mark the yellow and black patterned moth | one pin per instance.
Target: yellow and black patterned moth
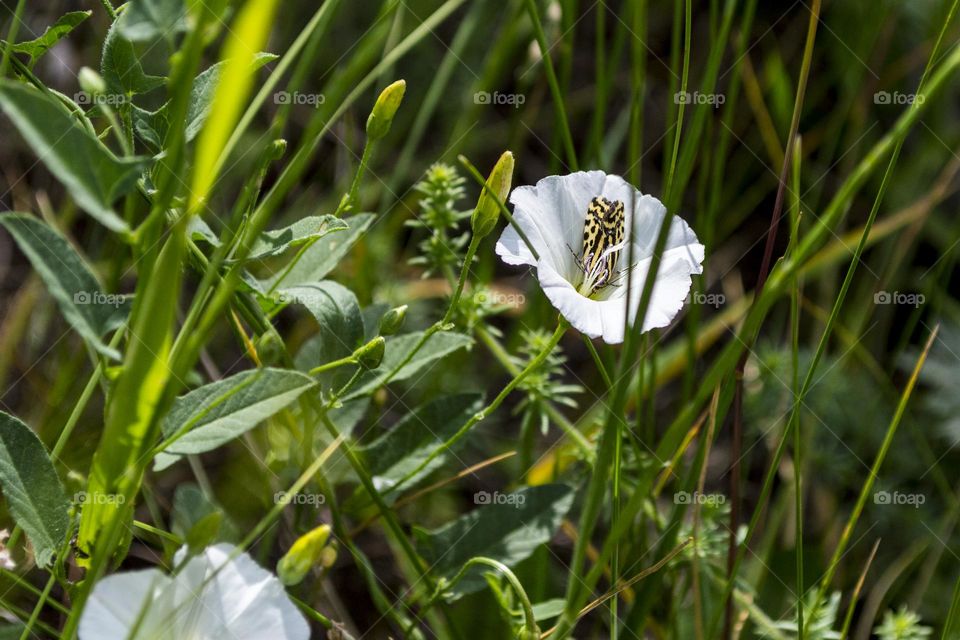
(602, 241)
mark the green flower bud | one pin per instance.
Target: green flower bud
(370, 355)
(529, 634)
(487, 213)
(269, 349)
(378, 124)
(91, 81)
(328, 557)
(392, 320)
(277, 148)
(303, 555)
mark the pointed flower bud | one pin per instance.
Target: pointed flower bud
(487, 213)
(303, 555)
(378, 124)
(392, 320)
(91, 81)
(370, 355)
(277, 148)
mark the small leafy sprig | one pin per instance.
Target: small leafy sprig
(902, 625)
(543, 384)
(443, 249)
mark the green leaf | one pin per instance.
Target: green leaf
(32, 489)
(120, 66)
(64, 25)
(320, 259)
(94, 177)
(508, 528)
(216, 413)
(548, 609)
(191, 508)
(145, 20)
(337, 312)
(310, 228)
(398, 348)
(152, 126)
(67, 278)
(392, 456)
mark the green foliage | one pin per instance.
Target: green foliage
(122, 68)
(67, 278)
(394, 459)
(819, 623)
(95, 177)
(324, 385)
(507, 527)
(152, 126)
(902, 625)
(145, 20)
(543, 385)
(51, 35)
(216, 413)
(32, 489)
(320, 257)
(440, 190)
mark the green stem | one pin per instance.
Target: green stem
(332, 365)
(554, 85)
(11, 37)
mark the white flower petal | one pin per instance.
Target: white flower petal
(240, 601)
(243, 601)
(114, 608)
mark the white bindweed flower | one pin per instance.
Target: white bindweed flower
(580, 226)
(241, 601)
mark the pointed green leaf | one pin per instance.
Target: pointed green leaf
(337, 312)
(32, 489)
(507, 527)
(144, 20)
(92, 174)
(320, 259)
(53, 34)
(152, 126)
(120, 66)
(216, 413)
(311, 228)
(67, 278)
